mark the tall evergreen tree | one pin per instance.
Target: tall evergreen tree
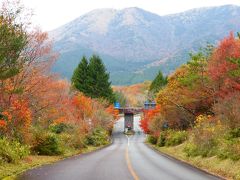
(80, 76)
(159, 82)
(92, 79)
(98, 80)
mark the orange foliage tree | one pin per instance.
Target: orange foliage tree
(148, 115)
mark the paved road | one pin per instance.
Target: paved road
(127, 158)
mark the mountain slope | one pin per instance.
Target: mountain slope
(135, 44)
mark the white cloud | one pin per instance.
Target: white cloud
(50, 14)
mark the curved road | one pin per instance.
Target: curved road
(126, 159)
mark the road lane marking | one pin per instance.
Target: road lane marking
(129, 165)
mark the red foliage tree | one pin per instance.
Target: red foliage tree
(148, 115)
(224, 66)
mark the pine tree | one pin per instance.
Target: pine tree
(80, 76)
(92, 79)
(159, 82)
(98, 80)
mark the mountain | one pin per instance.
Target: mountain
(134, 44)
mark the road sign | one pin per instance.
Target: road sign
(149, 105)
(116, 105)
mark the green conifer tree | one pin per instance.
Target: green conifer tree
(80, 76)
(159, 82)
(92, 79)
(98, 80)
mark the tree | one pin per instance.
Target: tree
(98, 80)
(147, 117)
(13, 39)
(159, 82)
(224, 66)
(196, 71)
(80, 76)
(92, 79)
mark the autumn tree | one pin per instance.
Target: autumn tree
(224, 71)
(224, 66)
(147, 117)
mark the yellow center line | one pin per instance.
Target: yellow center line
(129, 165)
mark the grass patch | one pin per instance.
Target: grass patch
(10, 171)
(226, 168)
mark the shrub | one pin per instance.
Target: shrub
(230, 146)
(175, 138)
(152, 139)
(161, 140)
(47, 144)
(59, 128)
(191, 150)
(227, 110)
(206, 135)
(234, 133)
(12, 151)
(75, 139)
(98, 137)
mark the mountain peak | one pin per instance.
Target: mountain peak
(132, 41)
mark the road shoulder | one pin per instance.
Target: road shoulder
(190, 162)
(11, 171)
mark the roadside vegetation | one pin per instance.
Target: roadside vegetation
(42, 115)
(197, 117)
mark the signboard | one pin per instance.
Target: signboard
(116, 105)
(149, 105)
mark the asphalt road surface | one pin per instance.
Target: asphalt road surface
(127, 158)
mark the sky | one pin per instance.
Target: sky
(50, 14)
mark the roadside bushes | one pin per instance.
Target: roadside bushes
(205, 137)
(175, 138)
(98, 137)
(168, 138)
(73, 140)
(47, 144)
(229, 149)
(221, 147)
(171, 138)
(12, 151)
(152, 139)
(229, 146)
(234, 133)
(210, 138)
(59, 128)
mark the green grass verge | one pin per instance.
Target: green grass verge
(9, 171)
(226, 168)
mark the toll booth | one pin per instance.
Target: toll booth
(128, 121)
